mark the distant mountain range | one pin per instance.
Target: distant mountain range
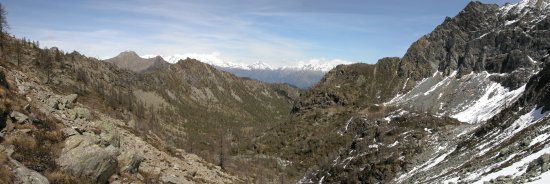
(302, 75)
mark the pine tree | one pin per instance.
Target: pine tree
(18, 51)
(3, 26)
(3, 22)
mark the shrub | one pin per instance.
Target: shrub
(22, 142)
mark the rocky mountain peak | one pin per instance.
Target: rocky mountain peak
(132, 61)
(538, 4)
(128, 54)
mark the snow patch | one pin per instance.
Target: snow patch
(438, 159)
(495, 99)
(393, 144)
(544, 178)
(516, 169)
(539, 139)
(346, 127)
(451, 180)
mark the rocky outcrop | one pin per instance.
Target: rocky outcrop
(84, 157)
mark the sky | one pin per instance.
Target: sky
(278, 32)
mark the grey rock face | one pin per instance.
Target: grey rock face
(83, 157)
(480, 38)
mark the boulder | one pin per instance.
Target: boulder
(84, 157)
(53, 103)
(24, 175)
(109, 134)
(67, 132)
(79, 113)
(133, 166)
(68, 102)
(19, 117)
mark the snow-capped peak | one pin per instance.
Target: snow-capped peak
(260, 66)
(520, 6)
(214, 59)
(322, 64)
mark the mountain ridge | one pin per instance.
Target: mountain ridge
(484, 54)
(303, 75)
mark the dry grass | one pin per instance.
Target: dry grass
(22, 142)
(6, 176)
(52, 136)
(150, 177)
(59, 177)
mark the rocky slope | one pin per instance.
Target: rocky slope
(391, 122)
(94, 146)
(188, 105)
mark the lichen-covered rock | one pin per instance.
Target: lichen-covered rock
(83, 157)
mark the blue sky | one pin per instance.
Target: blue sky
(279, 32)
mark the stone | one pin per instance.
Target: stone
(27, 107)
(19, 117)
(168, 178)
(71, 98)
(110, 138)
(67, 132)
(133, 167)
(109, 134)
(53, 103)
(68, 102)
(83, 157)
(79, 113)
(24, 175)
